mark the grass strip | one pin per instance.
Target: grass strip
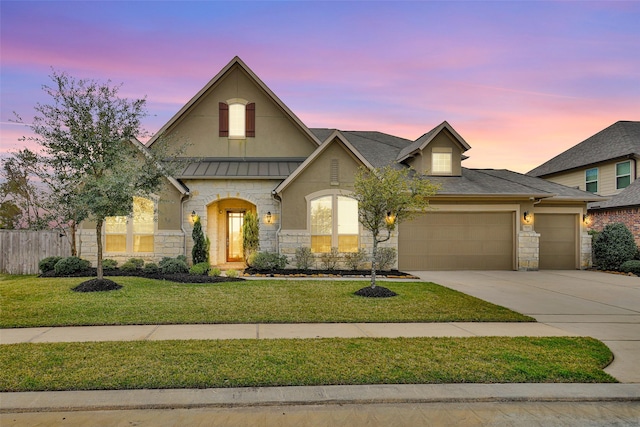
(248, 363)
(29, 301)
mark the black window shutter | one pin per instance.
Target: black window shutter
(223, 113)
(250, 120)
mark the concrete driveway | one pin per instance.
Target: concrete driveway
(600, 305)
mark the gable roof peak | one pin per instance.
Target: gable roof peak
(420, 143)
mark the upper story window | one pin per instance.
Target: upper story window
(334, 223)
(132, 234)
(441, 161)
(591, 180)
(237, 119)
(623, 175)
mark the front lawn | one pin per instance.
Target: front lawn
(259, 363)
(29, 301)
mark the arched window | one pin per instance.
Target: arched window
(334, 223)
(131, 234)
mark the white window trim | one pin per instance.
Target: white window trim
(334, 203)
(230, 103)
(130, 234)
(441, 150)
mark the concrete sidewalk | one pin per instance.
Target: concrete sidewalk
(267, 331)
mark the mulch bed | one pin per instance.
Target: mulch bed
(292, 272)
(377, 292)
(180, 278)
(96, 285)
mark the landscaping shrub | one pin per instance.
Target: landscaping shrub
(182, 258)
(354, 260)
(138, 262)
(173, 266)
(109, 264)
(200, 269)
(48, 263)
(268, 261)
(385, 258)
(631, 266)
(199, 252)
(613, 246)
(250, 236)
(128, 266)
(330, 259)
(215, 272)
(70, 265)
(151, 268)
(303, 258)
(232, 273)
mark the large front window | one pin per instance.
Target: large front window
(334, 223)
(134, 234)
(623, 175)
(591, 180)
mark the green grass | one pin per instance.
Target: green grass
(248, 363)
(29, 301)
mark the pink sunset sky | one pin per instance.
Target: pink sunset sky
(520, 81)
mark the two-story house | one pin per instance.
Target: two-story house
(247, 151)
(605, 164)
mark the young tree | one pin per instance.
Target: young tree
(250, 235)
(199, 252)
(87, 138)
(387, 196)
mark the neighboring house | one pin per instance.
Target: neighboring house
(605, 164)
(248, 152)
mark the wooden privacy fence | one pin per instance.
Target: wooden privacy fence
(22, 249)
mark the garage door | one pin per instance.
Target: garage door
(457, 241)
(558, 244)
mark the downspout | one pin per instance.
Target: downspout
(279, 200)
(184, 198)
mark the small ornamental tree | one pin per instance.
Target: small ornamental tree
(613, 247)
(387, 196)
(250, 235)
(199, 253)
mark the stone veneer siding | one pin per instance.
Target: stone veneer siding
(166, 244)
(290, 240)
(629, 217)
(528, 249)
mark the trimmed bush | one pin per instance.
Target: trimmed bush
(70, 265)
(268, 261)
(215, 272)
(48, 263)
(232, 273)
(385, 258)
(129, 266)
(631, 266)
(151, 268)
(354, 260)
(200, 269)
(330, 259)
(109, 264)
(173, 266)
(182, 258)
(303, 258)
(613, 246)
(250, 236)
(199, 253)
(138, 262)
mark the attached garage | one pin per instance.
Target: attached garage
(458, 241)
(558, 241)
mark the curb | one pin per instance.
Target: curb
(313, 395)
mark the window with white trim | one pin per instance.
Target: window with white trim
(334, 223)
(623, 175)
(132, 234)
(236, 120)
(591, 180)
(440, 163)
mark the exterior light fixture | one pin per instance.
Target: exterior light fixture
(526, 217)
(586, 219)
(269, 218)
(390, 219)
(193, 216)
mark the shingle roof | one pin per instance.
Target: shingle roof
(619, 140)
(240, 168)
(502, 182)
(425, 139)
(630, 196)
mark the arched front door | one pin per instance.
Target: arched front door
(224, 229)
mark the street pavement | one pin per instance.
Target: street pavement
(565, 303)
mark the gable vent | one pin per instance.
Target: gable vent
(335, 172)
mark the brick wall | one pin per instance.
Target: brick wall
(629, 217)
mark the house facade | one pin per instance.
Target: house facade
(248, 152)
(605, 164)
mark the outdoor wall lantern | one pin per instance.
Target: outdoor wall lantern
(269, 218)
(193, 216)
(390, 219)
(527, 217)
(586, 219)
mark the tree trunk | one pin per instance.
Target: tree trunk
(99, 241)
(373, 262)
(72, 238)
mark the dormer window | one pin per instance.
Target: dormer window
(441, 161)
(237, 119)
